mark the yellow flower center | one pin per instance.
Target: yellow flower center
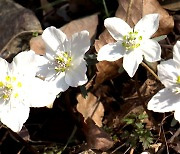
(131, 40)
(63, 62)
(7, 88)
(178, 80)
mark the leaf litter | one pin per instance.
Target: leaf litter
(111, 92)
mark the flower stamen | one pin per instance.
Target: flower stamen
(63, 62)
(8, 86)
(131, 40)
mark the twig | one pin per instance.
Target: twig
(150, 70)
(119, 147)
(176, 134)
(129, 10)
(15, 36)
(20, 139)
(167, 149)
(127, 150)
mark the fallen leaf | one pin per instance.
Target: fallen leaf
(91, 107)
(96, 137)
(37, 45)
(170, 5)
(82, 24)
(166, 22)
(105, 70)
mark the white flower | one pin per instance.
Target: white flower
(168, 99)
(20, 90)
(132, 43)
(63, 64)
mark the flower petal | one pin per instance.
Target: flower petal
(76, 76)
(164, 101)
(41, 93)
(151, 50)
(59, 84)
(14, 117)
(25, 63)
(168, 73)
(117, 27)
(131, 61)
(45, 67)
(54, 39)
(80, 44)
(177, 114)
(111, 52)
(148, 25)
(176, 52)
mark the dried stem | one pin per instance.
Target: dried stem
(21, 140)
(150, 70)
(176, 134)
(129, 11)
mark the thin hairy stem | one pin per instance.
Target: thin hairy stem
(150, 70)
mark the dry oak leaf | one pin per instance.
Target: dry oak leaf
(96, 137)
(130, 11)
(91, 107)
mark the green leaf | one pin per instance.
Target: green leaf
(139, 125)
(129, 121)
(142, 116)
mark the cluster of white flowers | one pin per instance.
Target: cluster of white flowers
(32, 80)
(21, 84)
(134, 43)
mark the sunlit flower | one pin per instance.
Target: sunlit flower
(63, 64)
(168, 99)
(132, 43)
(20, 90)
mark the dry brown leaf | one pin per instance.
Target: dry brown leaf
(170, 5)
(37, 45)
(82, 24)
(105, 70)
(91, 107)
(137, 9)
(166, 21)
(96, 137)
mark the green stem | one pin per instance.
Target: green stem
(105, 8)
(70, 138)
